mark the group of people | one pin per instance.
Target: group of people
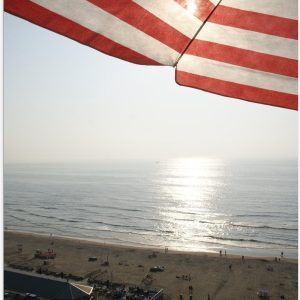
(185, 277)
(278, 259)
(190, 293)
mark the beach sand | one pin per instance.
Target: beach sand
(210, 273)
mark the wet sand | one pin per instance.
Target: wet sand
(209, 273)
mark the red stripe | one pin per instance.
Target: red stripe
(203, 7)
(138, 17)
(244, 58)
(239, 91)
(254, 21)
(50, 20)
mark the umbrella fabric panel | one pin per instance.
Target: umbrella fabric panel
(143, 32)
(240, 49)
(244, 52)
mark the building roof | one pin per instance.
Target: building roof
(49, 288)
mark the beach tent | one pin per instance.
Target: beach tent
(235, 48)
(44, 287)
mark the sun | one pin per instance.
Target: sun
(191, 7)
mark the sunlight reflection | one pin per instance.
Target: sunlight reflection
(191, 7)
(190, 187)
(191, 180)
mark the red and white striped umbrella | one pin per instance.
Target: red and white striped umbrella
(235, 48)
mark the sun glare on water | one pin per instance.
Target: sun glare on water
(190, 188)
(191, 180)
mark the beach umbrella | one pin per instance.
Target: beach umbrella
(236, 48)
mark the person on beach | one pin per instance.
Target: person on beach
(230, 267)
(220, 252)
(225, 253)
(51, 239)
(20, 248)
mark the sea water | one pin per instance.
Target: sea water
(244, 207)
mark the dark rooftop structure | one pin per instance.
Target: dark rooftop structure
(45, 287)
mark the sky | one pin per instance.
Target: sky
(67, 102)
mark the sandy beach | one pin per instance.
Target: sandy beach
(206, 273)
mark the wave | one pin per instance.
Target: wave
(85, 220)
(188, 220)
(114, 225)
(247, 240)
(250, 226)
(264, 215)
(55, 218)
(134, 227)
(181, 212)
(166, 231)
(29, 221)
(119, 208)
(263, 226)
(256, 215)
(19, 210)
(129, 231)
(149, 219)
(49, 208)
(33, 225)
(19, 219)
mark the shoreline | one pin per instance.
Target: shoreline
(118, 246)
(209, 272)
(270, 253)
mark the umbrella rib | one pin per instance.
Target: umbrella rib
(193, 38)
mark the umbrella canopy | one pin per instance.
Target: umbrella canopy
(240, 49)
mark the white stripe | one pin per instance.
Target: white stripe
(231, 73)
(249, 40)
(173, 14)
(279, 8)
(97, 20)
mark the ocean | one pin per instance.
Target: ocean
(244, 207)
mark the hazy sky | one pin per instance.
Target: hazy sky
(64, 102)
